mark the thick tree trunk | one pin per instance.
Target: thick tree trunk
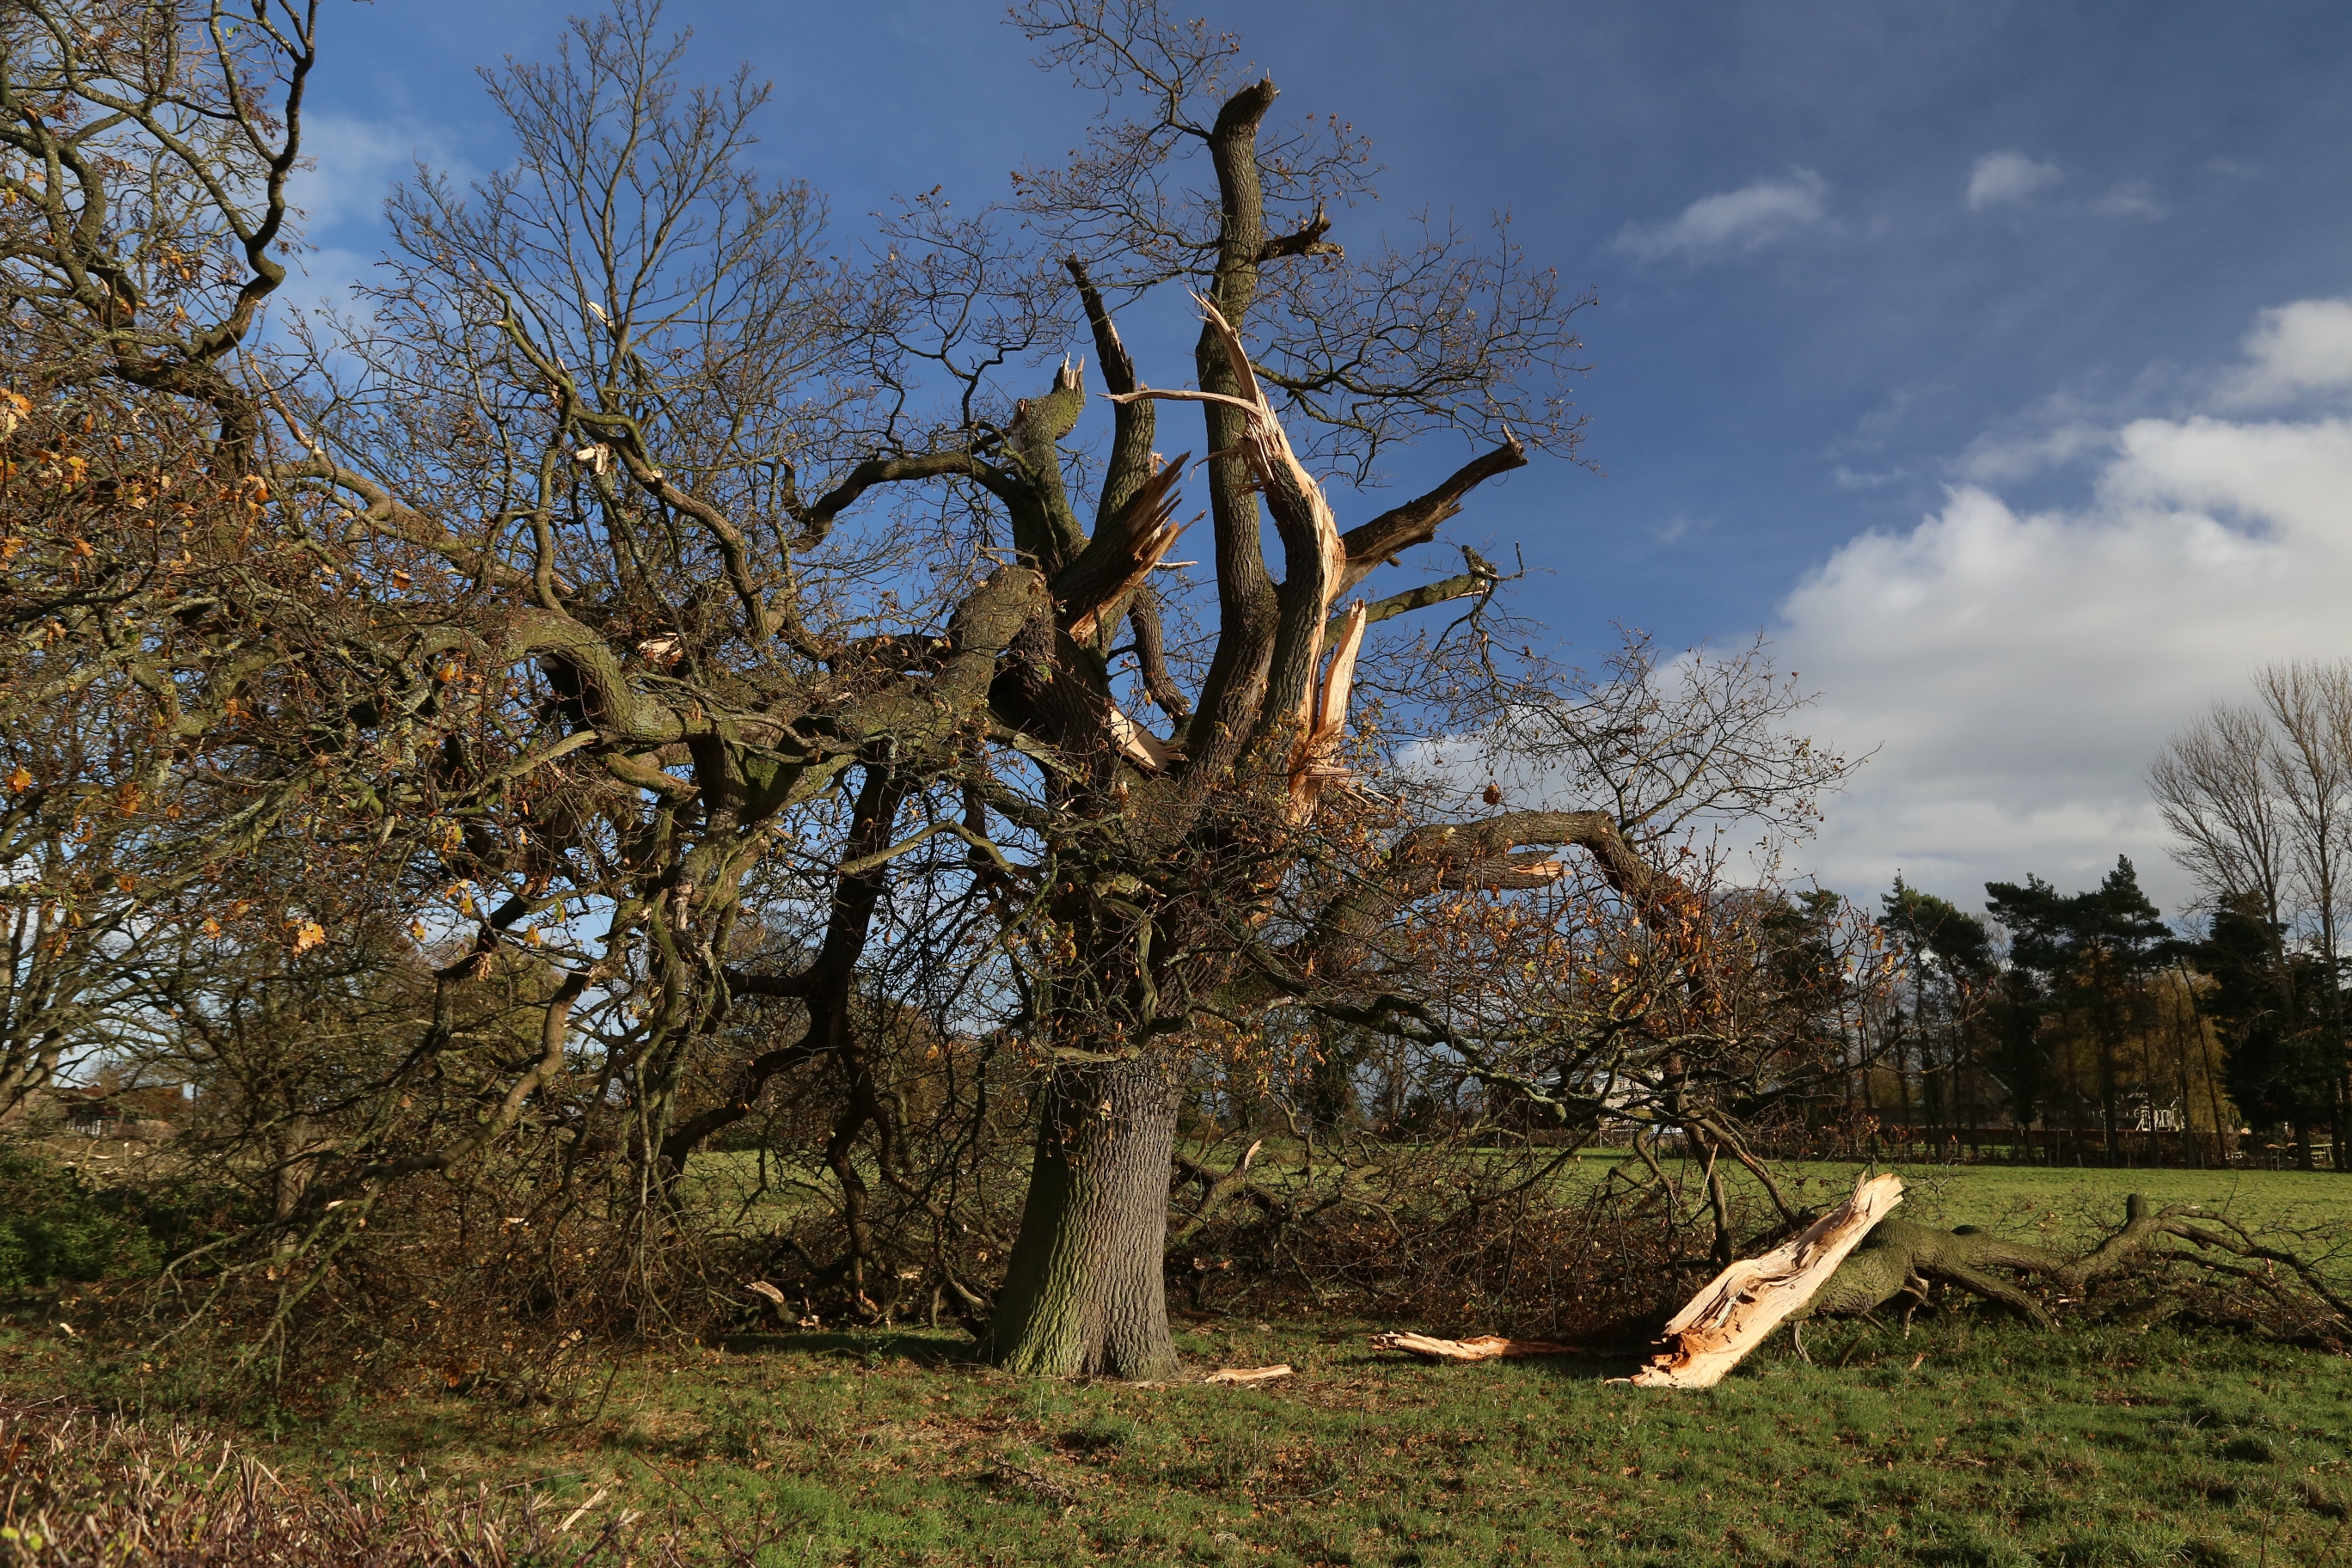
(1084, 1295)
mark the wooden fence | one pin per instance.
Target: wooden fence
(2081, 1147)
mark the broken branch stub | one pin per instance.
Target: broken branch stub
(1741, 1306)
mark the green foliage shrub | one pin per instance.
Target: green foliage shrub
(55, 1225)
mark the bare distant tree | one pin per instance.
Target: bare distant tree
(2213, 785)
(2260, 797)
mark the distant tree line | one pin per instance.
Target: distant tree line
(2259, 797)
(2088, 1011)
(2077, 1012)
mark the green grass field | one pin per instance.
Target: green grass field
(1971, 1441)
(2021, 1199)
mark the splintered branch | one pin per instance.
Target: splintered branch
(1300, 509)
(1740, 1307)
(1138, 745)
(1121, 558)
(1482, 1347)
(1313, 761)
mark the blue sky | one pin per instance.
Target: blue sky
(1987, 356)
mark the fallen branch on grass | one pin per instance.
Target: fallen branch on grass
(1742, 1305)
(1220, 1187)
(1005, 1473)
(1901, 1261)
(1484, 1347)
(1248, 1376)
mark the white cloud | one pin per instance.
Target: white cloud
(1745, 220)
(355, 163)
(2133, 198)
(2016, 673)
(2296, 348)
(1856, 480)
(1993, 458)
(2006, 179)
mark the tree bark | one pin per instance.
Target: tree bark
(1086, 1295)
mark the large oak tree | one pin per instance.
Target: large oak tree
(640, 574)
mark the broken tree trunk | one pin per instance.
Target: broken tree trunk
(1742, 1305)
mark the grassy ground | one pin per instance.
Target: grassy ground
(1972, 1441)
(1965, 1443)
(2022, 1199)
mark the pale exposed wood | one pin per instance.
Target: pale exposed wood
(1145, 530)
(1248, 1376)
(1323, 707)
(1313, 765)
(573, 1517)
(1741, 1306)
(1140, 746)
(1484, 1347)
(1270, 449)
(1340, 680)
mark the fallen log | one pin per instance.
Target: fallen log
(1900, 1262)
(1248, 1376)
(1740, 1307)
(1484, 1347)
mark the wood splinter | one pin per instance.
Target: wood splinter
(1483, 1347)
(1248, 1376)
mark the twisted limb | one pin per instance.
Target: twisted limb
(1902, 1258)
